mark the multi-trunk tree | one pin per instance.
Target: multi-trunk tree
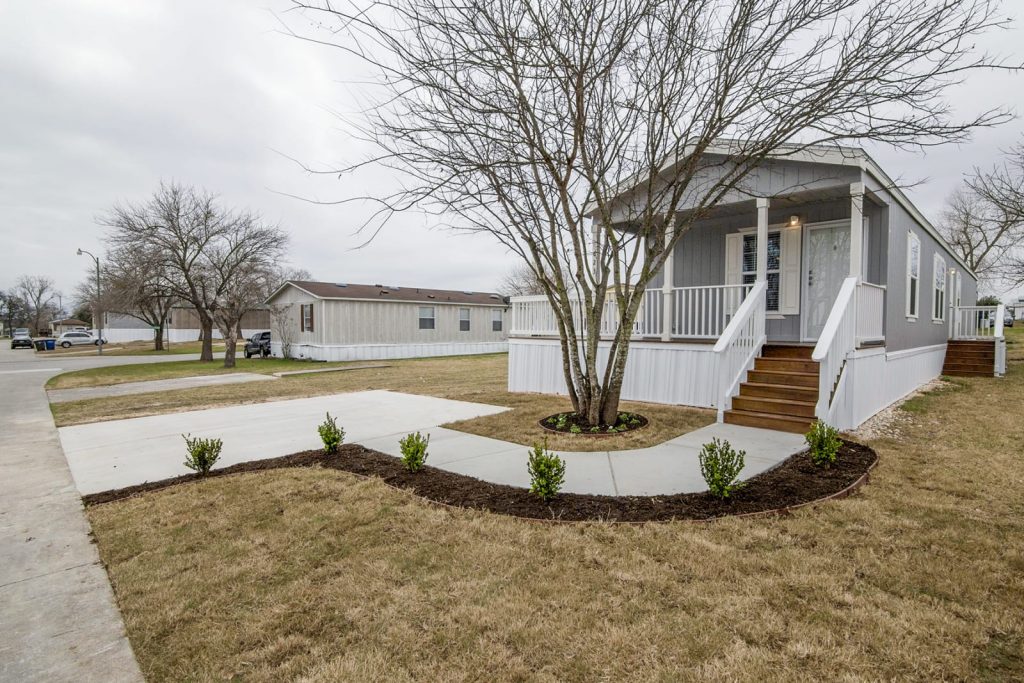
(576, 132)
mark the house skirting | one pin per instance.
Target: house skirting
(345, 352)
(875, 379)
(677, 374)
(685, 374)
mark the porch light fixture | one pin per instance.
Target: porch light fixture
(794, 221)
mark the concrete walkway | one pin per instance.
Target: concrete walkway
(57, 612)
(129, 388)
(116, 454)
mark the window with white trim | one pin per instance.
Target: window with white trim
(913, 275)
(939, 289)
(749, 266)
(306, 311)
(463, 320)
(426, 317)
(496, 314)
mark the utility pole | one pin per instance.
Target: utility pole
(97, 313)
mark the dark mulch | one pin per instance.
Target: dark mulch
(625, 422)
(795, 482)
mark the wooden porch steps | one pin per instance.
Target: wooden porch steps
(781, 391)
(969, 358)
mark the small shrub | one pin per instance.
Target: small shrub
(414, 451)
(575, 429)
(331, 434)
(202, 453)
(721, 464)
(824, 443)
(563, 421)
(547, 472)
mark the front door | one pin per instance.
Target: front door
(827, 264)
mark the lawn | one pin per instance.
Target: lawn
(481, 379)
(314, 574)
(137, 348)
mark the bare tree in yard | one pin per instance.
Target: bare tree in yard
(38, 292)
(14, 311)
(984, 222)
(137, 286)
(205, 251)
(520, 281)
(577, 132)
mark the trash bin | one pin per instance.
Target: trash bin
(51, 344)
(40, 344)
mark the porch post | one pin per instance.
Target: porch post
(667, 284)
(856, 229)
(762, 238)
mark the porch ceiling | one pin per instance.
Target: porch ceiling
(782, 201)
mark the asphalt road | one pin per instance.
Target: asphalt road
(57, 612)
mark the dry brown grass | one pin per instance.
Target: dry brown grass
(468, 378)
(319, 576)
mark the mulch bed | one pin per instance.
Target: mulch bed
(793, 483)
(632, 422)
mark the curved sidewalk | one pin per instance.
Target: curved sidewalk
(121, 453)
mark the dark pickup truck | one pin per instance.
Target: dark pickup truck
(258, 345)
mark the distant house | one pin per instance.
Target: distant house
(59, 327)
(183, 326)
(341, 321)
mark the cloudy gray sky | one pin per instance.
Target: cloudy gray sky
(104, 98)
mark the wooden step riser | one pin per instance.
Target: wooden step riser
(786, 365)
(971, 356)
(782, 379)
(797, 352)
(788, 408)
(963, 373)
(779, 425)
(782, 391)
(982, 369)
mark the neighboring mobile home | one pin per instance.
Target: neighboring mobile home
(343, 321)
(182, 326)
(815, 290)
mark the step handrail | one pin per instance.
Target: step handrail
(739, 345)
(838, 339)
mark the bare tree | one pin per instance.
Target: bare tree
(14, 311)
(985, 221)
(206, 252)
(578, 132)
(136, 286)
(521, 281)
(38, 292)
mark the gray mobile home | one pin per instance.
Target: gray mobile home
(345, 321)
(816, 290)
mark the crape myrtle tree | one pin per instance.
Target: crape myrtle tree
(576, 132)
(206, 253)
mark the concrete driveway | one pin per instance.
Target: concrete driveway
(120, 453)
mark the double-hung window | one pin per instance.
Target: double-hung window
(939, 289)
(749, 267)
(426, 317)
(464, 320)
(306, 317)
(913, 275)
(495, 320)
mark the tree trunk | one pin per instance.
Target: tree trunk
(229, 348)
(158, 338)
(207, 335)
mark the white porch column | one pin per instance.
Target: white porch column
(762, 238)
(856, 229)
(668, 283)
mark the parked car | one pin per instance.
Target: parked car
(21, 338)
(258, 345)
(1008, 320)
(69, 339)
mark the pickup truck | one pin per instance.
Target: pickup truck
(258, 345)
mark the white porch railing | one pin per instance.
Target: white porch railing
(837, 340)
(870, 312)
(704, 312)
(739, 345)
(695, 312)
(978, 322)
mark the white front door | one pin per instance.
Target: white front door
(827, 259)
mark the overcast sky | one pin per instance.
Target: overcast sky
(104, 98)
